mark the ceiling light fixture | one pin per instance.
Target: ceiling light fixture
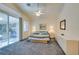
(39, 12)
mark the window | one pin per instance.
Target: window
(25, 26)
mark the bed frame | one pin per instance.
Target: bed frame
(39, 39)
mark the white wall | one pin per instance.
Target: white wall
(70, 12)
(25, 34)
(9, 10)
(51, 12)
(48, 21)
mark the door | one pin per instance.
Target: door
(13, 29)
(3, 30)
(9, 29)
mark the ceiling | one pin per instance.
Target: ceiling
(48, 9)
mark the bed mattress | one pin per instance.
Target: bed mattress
(42, 37)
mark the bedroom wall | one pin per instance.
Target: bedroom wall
(13, 10)
(25, 34)
(10, 9)
(48, 21)
(70, 12)
(51, 12)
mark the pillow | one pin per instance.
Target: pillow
(36, 33)
(44, 33)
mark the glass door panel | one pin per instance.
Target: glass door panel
(9, 29)
(3, 30)
(13, 29)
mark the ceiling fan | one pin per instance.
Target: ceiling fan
(38, 13)
(39, 10)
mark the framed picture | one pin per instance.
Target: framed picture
(63, 24)
(43, 27)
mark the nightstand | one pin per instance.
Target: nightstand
(52, 36)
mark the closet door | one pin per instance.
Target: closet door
(3, 30)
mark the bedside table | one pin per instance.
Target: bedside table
(52, 36)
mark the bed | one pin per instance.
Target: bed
(40, 36)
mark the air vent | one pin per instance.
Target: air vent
(28, 4)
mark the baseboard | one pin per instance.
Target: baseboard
(24, 39)
(60, 47)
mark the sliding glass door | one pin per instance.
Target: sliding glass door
(3, 30)
(13, 29)
(9, 29)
